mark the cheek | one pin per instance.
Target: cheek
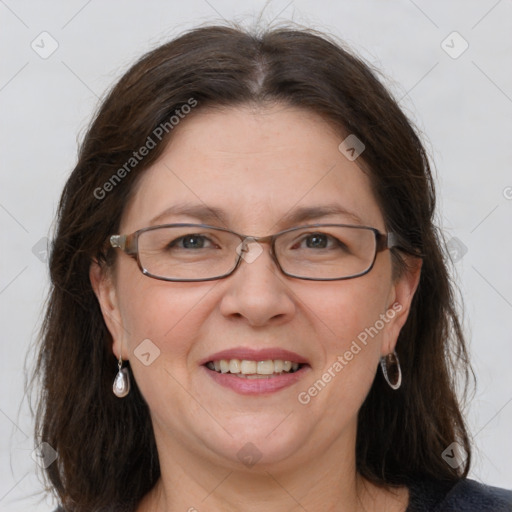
(349, 366)
(349, 325)
(343, 310)
(163, 321)
(166, 313)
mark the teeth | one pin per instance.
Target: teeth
(265, 368)
(234, 366)
(247, 367)
(253, 369)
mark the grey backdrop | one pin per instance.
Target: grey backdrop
(59, 57)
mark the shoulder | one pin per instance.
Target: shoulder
(466, 495)
(476, 496)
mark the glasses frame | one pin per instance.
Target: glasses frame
(128, 243)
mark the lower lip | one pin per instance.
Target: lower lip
(256, 386)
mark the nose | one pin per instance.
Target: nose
(257, 291)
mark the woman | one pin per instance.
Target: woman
(246, 239)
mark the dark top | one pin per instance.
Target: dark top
(465, 496)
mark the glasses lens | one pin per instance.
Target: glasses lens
(187, 252)
(326, 252)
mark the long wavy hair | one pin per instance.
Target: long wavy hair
(107, 456)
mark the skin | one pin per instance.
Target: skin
(256, 164)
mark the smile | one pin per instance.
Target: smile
(250, 377)
(245, 368)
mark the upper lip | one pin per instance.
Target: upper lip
(256, 355)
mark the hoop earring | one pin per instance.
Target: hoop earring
(121, 385)
(391, 370)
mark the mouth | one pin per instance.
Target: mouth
(255, 377)
(251, 369)
(247, 371)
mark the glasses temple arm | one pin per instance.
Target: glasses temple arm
(127, 243)
(118, 241)
(391, 240)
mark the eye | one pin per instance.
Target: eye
(192, 241)
(317, 241)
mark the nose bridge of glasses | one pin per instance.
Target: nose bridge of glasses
(247, 239)
(250, 247)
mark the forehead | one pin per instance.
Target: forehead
(253, 166)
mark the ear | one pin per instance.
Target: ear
(102, 281)
(399, 305)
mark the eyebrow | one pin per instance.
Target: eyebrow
(211, 214)
(203, 213)
(306, 213)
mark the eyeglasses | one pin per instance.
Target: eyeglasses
(199, 252)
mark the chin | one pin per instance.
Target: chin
(257, 443)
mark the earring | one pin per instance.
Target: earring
(121, 385)
(391, 370)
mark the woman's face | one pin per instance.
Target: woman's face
(256, 169)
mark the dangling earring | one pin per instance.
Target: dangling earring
(121, 385)
(391, 370)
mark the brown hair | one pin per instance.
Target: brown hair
(107, 456)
